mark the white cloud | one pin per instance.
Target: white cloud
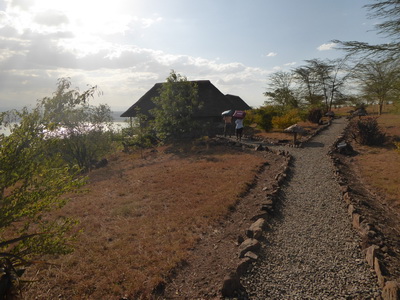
(44, 42)
(51, 18)
(325, 47)
(147, 22)
(290, 64)
(271, 54)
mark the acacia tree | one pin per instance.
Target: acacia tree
(176, 107)
(308, 85)
(281, 91)
(330, 77)
(389, 12)
(379, 80)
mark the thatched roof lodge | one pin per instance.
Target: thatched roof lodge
(214, 102)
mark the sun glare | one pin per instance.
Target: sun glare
(80, 26)
(88, 16)
(86, 22)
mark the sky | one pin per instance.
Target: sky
(126, 46)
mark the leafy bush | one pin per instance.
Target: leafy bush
(84, 149)
(366, 131)
(79, 131)
(263, 116)
(289, 118)
(314, 115)
(31, 183)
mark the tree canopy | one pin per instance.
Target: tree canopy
(389, 12)
(379, 80)
(317, 83)
(175, 108)
(281, 91)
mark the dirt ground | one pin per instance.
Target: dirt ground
(217, 253)
(374, 208)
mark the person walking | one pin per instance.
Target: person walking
(228, 125)
(239, 129)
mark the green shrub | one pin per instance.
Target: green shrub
(366, 131)
(286, 120)
(263, 116)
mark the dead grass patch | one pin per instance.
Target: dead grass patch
(141, 217)
(379, 167)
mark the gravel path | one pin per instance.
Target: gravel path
(312, 252)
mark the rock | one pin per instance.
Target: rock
(370, 255)
(249, 233)
(281, 179)
(346, 198)
(385, 249)
(356, 221)
(231, 285)
(351, 209)
(345, 148)
(251, 255)
(268, 201)
(267, 208)
(265, 216)
(242, 266)
(378, 272)
(259, 148)
(344, 188)
(364, 228)
(257, 228)
(248, 245)
(391, 291)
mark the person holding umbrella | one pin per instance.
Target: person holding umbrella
(227, 117)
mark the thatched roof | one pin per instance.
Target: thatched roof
(237, 102)
(295, 129)
(214, 102)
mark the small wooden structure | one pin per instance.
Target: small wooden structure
(295, 129)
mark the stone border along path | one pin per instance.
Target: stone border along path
(311, 250)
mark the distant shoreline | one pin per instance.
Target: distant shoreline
(117, 125)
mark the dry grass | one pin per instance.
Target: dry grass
(141, 217)
(380, 166)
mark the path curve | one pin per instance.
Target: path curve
(311, 251)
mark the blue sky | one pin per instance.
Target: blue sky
(126, 46)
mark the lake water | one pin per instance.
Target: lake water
(117, 126)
